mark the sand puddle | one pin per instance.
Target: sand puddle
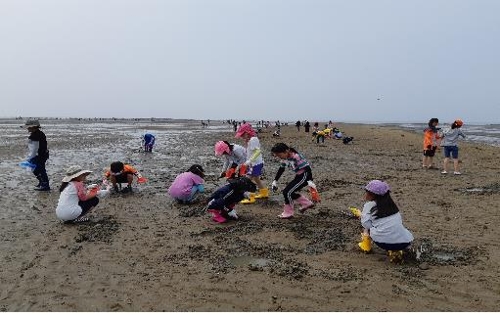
(253, 263)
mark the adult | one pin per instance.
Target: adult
(307, 126)
(297, 124)
(38, 153)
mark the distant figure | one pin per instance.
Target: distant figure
(316, 127)
(347, 140)
(204, 124)
(307, 126)
(450, 145)
(337, 134)
(235, 126)
(148, 141)
(297, 124)
(38, 154)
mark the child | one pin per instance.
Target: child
(120, 173)
(319, 135)
(254, 162)
(188, 184)
(303, 175)
(38, 154)
(148, 141)
(76, 200)
(382, 222)
(431, 141)
(224, 199)
(450, 145)
(233, 154)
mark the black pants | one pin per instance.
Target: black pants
(398, 246)
(320, 137)
(87, 205)
(40, 172)
(299, 182)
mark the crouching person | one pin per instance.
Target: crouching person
(76, 200)
(223, 201)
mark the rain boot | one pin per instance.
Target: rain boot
(366, 243)
(287, 212)
(263, 193)
(395, 256)
(305, 203)
(216, 216)
(249, 200)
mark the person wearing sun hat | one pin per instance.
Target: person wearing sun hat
(382, 222)
(254, 162)
(38, 153)
(76, 200)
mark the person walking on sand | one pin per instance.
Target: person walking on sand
(38, 153)
(76, 200)
(297, 124)
(254, 162)
(450, 145)
(303, 177)
(431, 142)
(382, 222)
(307, 126)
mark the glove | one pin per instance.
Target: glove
(274, 186)
(232, 214)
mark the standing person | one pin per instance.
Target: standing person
(316, 127)
(382, 222)
(38, 153)
(431, 141)
(450, 145)
(76, 200)
(187, 185)
(233, 155)
(254, 162)
(297, 124)
(303, 177)
(148, 141)
(235, 126)
(307, 126)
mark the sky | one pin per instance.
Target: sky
(340, 60)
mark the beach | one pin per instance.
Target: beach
(143, 252)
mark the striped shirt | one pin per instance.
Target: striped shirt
(296, 163)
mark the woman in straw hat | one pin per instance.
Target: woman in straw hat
(76, 200)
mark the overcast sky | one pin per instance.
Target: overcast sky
(345, 60)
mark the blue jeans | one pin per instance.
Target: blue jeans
(194, 192)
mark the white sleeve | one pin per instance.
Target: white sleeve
(32, 149)
(366, 216)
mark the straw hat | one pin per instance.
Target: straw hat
(73, 172)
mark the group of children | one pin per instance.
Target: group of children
(243, 167)
(447, 139)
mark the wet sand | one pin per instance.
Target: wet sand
(141, 252)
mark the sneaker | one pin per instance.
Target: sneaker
(126, 190)
(457, 173)
(80, 220)
(444, 172)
